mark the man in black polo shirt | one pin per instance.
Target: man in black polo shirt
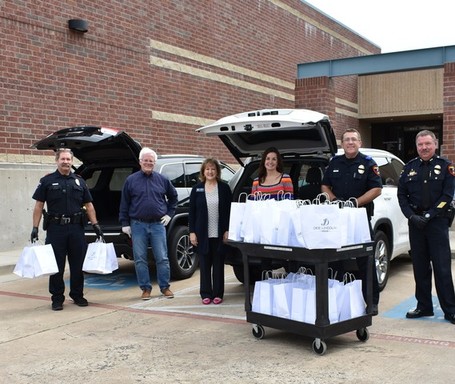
(354, 174)
(65, 193)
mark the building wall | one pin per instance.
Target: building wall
(334, 96)
(449, 111)
(410, 97)
(156, 69)
(411, 93)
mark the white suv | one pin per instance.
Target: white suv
(306, 140)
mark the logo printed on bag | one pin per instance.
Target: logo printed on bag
(325, 226)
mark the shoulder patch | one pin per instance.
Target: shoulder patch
(376, 170)
(451, 169)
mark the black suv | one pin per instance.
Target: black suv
(107, 157)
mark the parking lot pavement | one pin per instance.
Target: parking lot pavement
(121, 339)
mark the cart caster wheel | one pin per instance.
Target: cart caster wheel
(363, 334)
(319, 347)
(258, 331)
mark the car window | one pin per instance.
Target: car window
(118, 178)
(174, 172)
(390, 170)
(192, 173)
(92, 180)
(226, 173)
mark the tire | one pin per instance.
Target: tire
(319, 347)
(182, 258)
(363, 334)
(255, 273)
(382, 258)
(258, 331)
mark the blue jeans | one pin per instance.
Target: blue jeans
(153, 234)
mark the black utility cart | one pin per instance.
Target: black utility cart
(319, 258)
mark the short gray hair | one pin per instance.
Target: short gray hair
(426, 132)
(147, 151)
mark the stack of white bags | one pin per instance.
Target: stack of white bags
(299, 223)
(294, 297)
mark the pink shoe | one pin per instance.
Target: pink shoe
(206, 301)
(217, 300)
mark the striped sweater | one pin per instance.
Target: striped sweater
(284, 189)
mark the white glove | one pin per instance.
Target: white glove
(165, 220)
(127, 230)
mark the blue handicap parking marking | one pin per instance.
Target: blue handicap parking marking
(399, 311)
(113, 281)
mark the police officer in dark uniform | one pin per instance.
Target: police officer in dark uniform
(425, 193)
(65, 194)
(354, 174)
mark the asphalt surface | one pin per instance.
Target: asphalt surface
(119, 338)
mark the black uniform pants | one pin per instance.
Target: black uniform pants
(430, 251)
(211, 268)
(67, 240)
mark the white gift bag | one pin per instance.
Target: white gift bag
(263, 294)
(309, 314)
(282, 299)
(299, 294)
(321, 226)
(284, 229)
(45, 263)
(236, 220)
(36, 260)
(262, 297)
(268, 221)
(100, 258)
(362, 226)
(352, 302)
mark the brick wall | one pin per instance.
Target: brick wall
(336, 97)
(157, 70)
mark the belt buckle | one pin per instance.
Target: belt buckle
(65, 220)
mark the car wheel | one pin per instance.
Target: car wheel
(255, 273)
(182, 258)
(382, 258)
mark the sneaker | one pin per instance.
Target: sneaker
(57, 306)
(146, 294)
(167, 293)
(80, 301)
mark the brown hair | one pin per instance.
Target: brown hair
(206, 162)
(352, 130)
(262, 172)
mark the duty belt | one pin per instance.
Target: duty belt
(66, 219)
